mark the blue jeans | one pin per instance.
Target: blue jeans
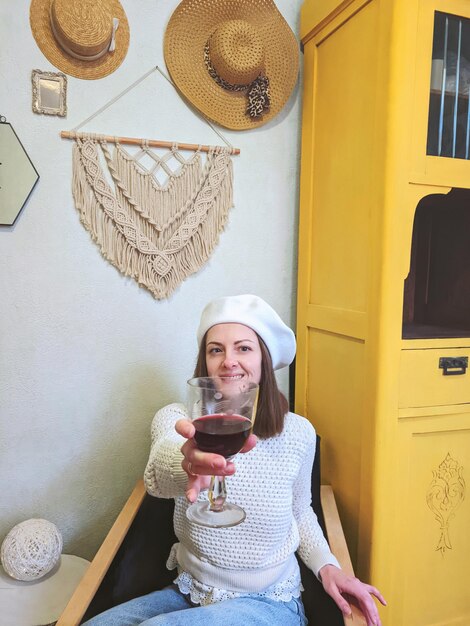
(170, 606)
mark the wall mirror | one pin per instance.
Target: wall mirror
(49, 93)
(18, 176)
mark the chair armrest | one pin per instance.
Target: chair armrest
(338, 545)
(84, 593)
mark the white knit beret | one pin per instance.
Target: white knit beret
(255, 313)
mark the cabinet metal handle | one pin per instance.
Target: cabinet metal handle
(453, 365)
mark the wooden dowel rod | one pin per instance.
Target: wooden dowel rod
(154, 143)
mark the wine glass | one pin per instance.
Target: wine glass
(222, 411)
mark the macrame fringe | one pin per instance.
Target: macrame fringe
(162, 205)
(157, 234)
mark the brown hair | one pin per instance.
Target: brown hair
(272, 404)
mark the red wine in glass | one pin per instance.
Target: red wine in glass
(221, 434)
(223, 413)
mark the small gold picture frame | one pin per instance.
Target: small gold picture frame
(49, 93)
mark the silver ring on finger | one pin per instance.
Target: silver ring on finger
(190, 469)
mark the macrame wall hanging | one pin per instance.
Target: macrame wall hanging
(153, 221)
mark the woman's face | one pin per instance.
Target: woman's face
(233, 352)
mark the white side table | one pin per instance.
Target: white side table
(40, 602)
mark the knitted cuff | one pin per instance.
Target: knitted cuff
(177, 472)
(319, 558)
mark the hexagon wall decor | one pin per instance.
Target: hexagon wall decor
(18, 176)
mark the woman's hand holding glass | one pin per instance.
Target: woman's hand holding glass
(200, 466)
(222, 410)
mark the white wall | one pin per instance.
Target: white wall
(86, 356)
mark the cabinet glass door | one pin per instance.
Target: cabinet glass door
(449, 111)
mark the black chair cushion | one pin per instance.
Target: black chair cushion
(320, 608)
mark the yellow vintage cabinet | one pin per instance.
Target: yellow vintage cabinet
(373, 327)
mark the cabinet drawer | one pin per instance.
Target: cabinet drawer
(424, 381)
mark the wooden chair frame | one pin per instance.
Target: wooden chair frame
(88, 586)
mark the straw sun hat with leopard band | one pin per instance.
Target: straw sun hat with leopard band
(87, 38)
(236, 61)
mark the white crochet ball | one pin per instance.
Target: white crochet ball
(31, 549)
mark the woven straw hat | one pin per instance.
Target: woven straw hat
(81, 37)
(220, 52)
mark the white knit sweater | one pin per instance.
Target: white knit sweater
(273, 485)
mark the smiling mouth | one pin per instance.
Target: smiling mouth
(232, 378)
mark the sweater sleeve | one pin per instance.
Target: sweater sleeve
(313, 549)
(164, 477)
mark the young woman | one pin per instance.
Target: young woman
(246, 574)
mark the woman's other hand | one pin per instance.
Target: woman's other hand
(200, 466)
(346, 590)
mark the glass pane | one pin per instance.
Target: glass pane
(449, 114)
